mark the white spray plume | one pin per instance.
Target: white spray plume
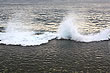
(15, 34)
(68, 29)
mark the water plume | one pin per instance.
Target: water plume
(68, 29)
(16, 34)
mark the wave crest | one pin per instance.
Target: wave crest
(68, 30)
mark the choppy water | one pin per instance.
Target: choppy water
(36, 24)
(29, 24)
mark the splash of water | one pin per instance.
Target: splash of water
(16, 34)
(68, 30)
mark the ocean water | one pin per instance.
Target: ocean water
(68, 29)
(29, 25)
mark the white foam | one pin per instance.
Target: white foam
(68, 30)
(25, 38)
(16, 34)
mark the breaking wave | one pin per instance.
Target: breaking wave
(68, 29)
(15, 34)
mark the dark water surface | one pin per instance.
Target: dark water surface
(58, 56)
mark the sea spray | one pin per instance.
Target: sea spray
(16, 34)
(68, 29)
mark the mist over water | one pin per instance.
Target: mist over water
(68, 29)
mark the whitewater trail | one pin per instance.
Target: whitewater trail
(68, 30)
